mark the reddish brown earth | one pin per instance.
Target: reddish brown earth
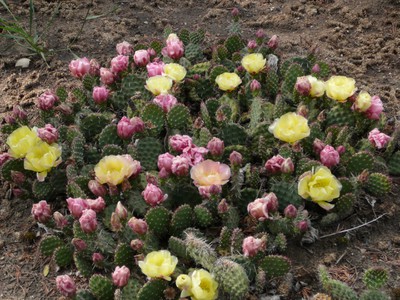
(360, 39)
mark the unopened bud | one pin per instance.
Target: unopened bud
(252, 44)
(138, 226)
(19, 113)
(97, 189)
(302, 110)
(115, 222)
(97, 258)
(223, 206)
(235, 12)
(303, 85)
(260, 33)
(340, 149)
(235, 158)
(302, 226)
(60, 220)
(18, 177)
(290, 211)
(316, 68)
(255, 85)
(318, 146)
(121, 211)
(137, 244)
(79, 244)
(273, 42)
(287, 166)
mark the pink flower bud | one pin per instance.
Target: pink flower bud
(4, 157)
(64, 109)
(290, 211)
(66, 286)
(340, 149)
(240, 69)
(19, 113)
(100, 94)
(165, 162)
(47, 100)
(48, 134)
(94, 68)
(138, 226)
(125, 128)
(138, 124)
(274, 164)
(137, 244)
(88, 221)
(329, 156)
(163, 173)
(97, 189)
(115, 222)
(124, 48)
(318, 146)
(223, 206)
(256, 209)
(216, 146)
(302, 110)
(9, 119)
(141, 58)
(235, 12)
(153, 195)
(79, 67)
(179, 142)
(174, 48)
(252, 44)
(260, 33)
(180, 166)
(235, 158)
(41, 211)
(151, 52)
(121, 276)
(273, 42)
(97, 258)
(272, 202)
(316, 69)
(204, 192)
(303, 86)
(287, 166)
(155, 68)
(60, 220)
(106, 76)
(79, 244)
(378, 139)
(119, 63)
(255, 85)
(251, 246)
(18, 177)
(302, 226)
(98, 204)
(215, 189)
(76, 206)
(17, 192)
(165, 101)
(121, 211)
(196, 77)
(376, 108)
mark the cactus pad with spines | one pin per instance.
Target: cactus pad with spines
(375, 278)
(178, 247)
(394, 164)
(344, 205)
(178, 117)
(63, 256)
(217, 70)
(200, 251)
(233, 134)
(340, 115)
(93, 124)
(275, 265)
(337, 289)
(234, 43)
(203, 216)
(378, 184)
(112, 150)
(101, 287)
(109, 136)
(78, 150)
(154, 115)
(158, 219)
(374, 295)
(294, 71)
(83, 264)
(148, 149)
(131, 289)
(124, 256)
(153, 289)
(11, 165)
(359, 162)
(286, 193)
(49, 244)
(181, 219)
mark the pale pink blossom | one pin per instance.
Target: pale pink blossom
(98, 204)
(97, 189)
(165, 101)
(274, 164)
(329, 156)
(260, 33)
(376, 108)
(76, 206)
(19, 113)
(141, 57)
(79, 67)
(251, 246)
(48, 134)
(180, 166)
(47, 100)
(378, 139)
(124, 48)
(194, 154)
(119, 63)
(138, 226)
(216, 146)
(100, 94)
(155, 68)
(208, 173)
(252, 44)
(41, 211)
(60, 220)
(66, 286)
(208, 191)
(261, 207)
(121, 276)
(303, 86)
(153, 195)
(151, 52)
(174, 48)
(138, 124)
(125, 128)
(106, 76)
(88, 221)
(179, 142)
(165, 162)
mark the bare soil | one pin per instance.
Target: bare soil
(360, 39)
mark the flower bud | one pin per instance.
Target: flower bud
(216, 146)
(66, 286)
(18, 177)
(9, 119)
(79, 244)
(155, 68)
(4, 157)
(290, 211)
(235, 158)
(138, 226)
(340, 149)
(235, 12)
(98, 204)
(273, 42)
(255, 85)
(260, 33)
(141, 58)
(115, 222)
(79, 67)
(100, 94)
(252, 44)
(165, 162)
(274, 164)
(153, 195)
(47, 100)
(60, 220)
(120, 63)
(215, 189)
(121, 276)
(329, 156)
(97, 258)
(88, 221)
(315, 69)
(179, 142)
(125, 128)
(174, 48)
(65, 109)
(48, 134)
(41, 211)
(196, 76)
(94, 67)
(151, 52)
(251, 246)
(106, 76)
(17, 192)
(303, 86)
(376, 108)
(124, 48)
(97, 189)
(137, 244)
(180, 166)
(223, 206)
(378, 139)
(165, 101)
(138, 124)
(121, 211)
(287, 166)
(19, 113)
(302, 226)
(163, 173)
(318, 146)
(240, 69)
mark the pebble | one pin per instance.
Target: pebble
(2, 244)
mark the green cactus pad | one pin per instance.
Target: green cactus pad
(378, 184)
(158, 219)
(133, 85)
(153, 289)
(131, 290)
(205, 115)
(78, 150)
(200, 251)
(340, 115)
(272, 83)
(286, 192)
(62, 94)
(83, 264)
(305, 165)
(43, 190)
(193, 52)
(329, 219)
(154, 115)
(255, 112)
(11, 165)
(88, 82)
(233, 134)
(148, 150)
(375, 278)
(197, 37)
(178, 247)
(275, 265)
(102, 287)
(63, 256)
(124, 256)
(178, 117)
(112, 150)
(200, 68)
(224, 240)
(75, 191)
(234, 43)
(291, 75)
(93, 124)
(84, 295)
(181, 219)
(221, 52)
(49, 244)
(394, 164)
(157, 46)
(109, 136)
(347, 185)
(237, 238)
(359, 162)
(337, 289)
(204, 137)
(374, 295)
(203, 216)
(344, 205)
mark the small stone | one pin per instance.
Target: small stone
(329, 258)
(396, 240)
(2, 244)
(383, 245)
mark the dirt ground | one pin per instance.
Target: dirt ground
(360, 39)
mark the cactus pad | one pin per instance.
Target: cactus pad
(378, 184)
(148, 150)
(375, 278)
(275, 265)
(124, 256)
(158, 219)
(101, 287)
(153, 289)
(178, 117)
(49, 244)
(181, 219)
(203, 216)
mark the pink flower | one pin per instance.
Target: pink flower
(94, 68)
(79, 244)
(125, 128)
(153, 195)
(165, 101)
(121, 276)
(138, 226)
(88, 221)
(100, 94)
(179, 142)
(119, 63)
(97, 257)
(302, 226)
(260, 33)
(261, 207)
(174, 48)
(180, 166)
(273, 42)
(290, 211)
(303, 86)
(208, 191)
(329, 156)
(79, 67)
(4, 157)
(76, 206)
(121, 211)
(60, 220)
(376, 108)
(66, 286)
(155, 68)
(97, 189)
(251, 246)
(318, 146)
(48, 134)
(141, 58)
(47, 100)
(378, 139)
(137, 124)
(151, 52)
(287, 166)
(98, 204)
(255, 85)
(235, 158)
(216, 146)
(41, 211)
(106, 76)
(165, 162)
(124, 48)
(208, 173)
(194, 154)
(252, 44)
(136, 244)
(274, 164)
(19, 113)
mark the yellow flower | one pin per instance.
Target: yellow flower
(159, 84)
(254, 63)
(175, 71)
(322, 187)
(114, 169)
(317, 86)
(158, 264)
(340, 88)
(199, 285)
(208, 173)
(21, 141)
(290, 128)
(41, 158)
(228, 81)
(184, 283)
(363, 101)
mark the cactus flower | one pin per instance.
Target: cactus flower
(47, 100)
(251, 246)
(216, 146)
(48, 134)
(153, 195)
(274, 164)
(125, 128)
(340, 88)
(254, 63)
(158, 264)
(290, 211)
(166, 102)
(303, 85)
(175, 71)
(378, 139)
(107, 77)
(184, 283)
(165, 162)
(203, 286)
(136, 244)
(302, 226)
(100, 94)
(228, 81)
(141, 58)
(260, 33)
(255, 85)
(121, 276)
(121, 211)
(329, 156)
(273, 42)
(138, 226)
(208, 173)
(60, 220)
(19, 113)
(194, 154)
(88, 221)
(155, 68)
(290, 128)
(79, 67)
(79, 244)
(41, 211)
(98, 204)
(124, 48)
(180, 166)
(363, 102)
(76, 206)
(97, 189)
(376, 108)
(21, 141)
(66, 286)
(321, 186)
(174, 48)
(261, 208)
(251, 45)
(97, 257)
(159, 84)
(317, 87)
(114, 169)
(179, 142)
(119, 63)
